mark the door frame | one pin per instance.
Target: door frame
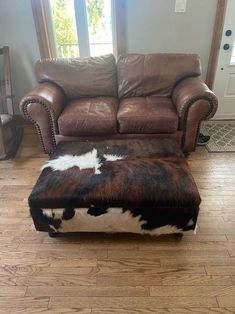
(216, 42)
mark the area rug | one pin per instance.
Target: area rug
(222, 134)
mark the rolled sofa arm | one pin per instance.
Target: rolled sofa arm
(42, 106)
(194, 102)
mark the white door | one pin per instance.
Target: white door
(224, 85)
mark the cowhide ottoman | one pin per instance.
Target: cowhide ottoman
(138, 186)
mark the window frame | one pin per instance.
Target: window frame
(45, 34)
(82, 27)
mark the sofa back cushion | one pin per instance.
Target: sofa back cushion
(154, 74)
(80, 77)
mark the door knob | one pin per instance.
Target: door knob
(226, 46)
(228, 32)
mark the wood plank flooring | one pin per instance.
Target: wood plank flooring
(117, 274)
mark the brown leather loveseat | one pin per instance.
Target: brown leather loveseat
(140, 96)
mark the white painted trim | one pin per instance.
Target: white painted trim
(224, 117)
(114, 28)
(82, 28)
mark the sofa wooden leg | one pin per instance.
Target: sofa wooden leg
(179, 235)
(52, 234)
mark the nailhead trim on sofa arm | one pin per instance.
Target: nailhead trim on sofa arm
(51, 122)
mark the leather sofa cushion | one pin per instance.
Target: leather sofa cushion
(154, 74)
(147, 115)
(80, 77)
(89, 116)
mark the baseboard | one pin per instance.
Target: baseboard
(20, 121)
(224, 117)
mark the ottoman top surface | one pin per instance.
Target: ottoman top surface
(116, 173)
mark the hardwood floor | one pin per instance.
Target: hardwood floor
(117, 274)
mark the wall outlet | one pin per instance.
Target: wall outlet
(180, 6)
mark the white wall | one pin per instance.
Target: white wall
(17, 31)
(153, 26)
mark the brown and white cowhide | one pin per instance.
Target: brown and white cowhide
(106, 220)
(134, 186)
(89, 160)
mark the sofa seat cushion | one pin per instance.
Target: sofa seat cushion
(89, 116)
(147, 115)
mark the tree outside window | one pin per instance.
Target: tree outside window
(98, 16)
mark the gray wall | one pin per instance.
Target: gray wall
(153, 26)
(18, 32)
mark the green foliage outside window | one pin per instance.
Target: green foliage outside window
(65, 29)
(95, 9)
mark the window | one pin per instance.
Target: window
(73, 28)
(81, 27)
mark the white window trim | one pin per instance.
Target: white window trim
(45, 32)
